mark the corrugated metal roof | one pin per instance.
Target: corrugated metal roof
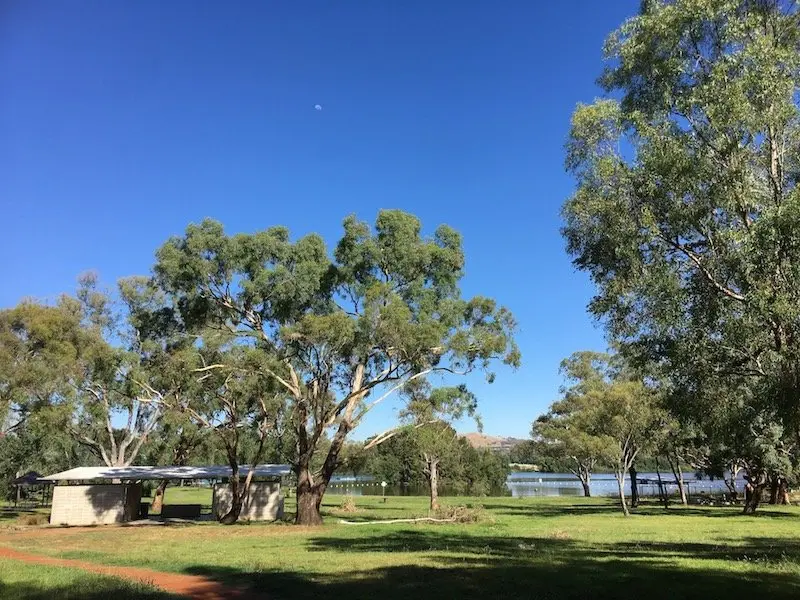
(174, 472)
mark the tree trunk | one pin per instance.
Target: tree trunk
(583, 471)
(682, 487)
(309, 493)
(677, 472)
(753, 491)
(621, 485)
(433, 480)
(587, 492)
(662, 494)
(774, 483)
(634, 487)
(733, 471)
(309, 498)
(232, 515)
(733, 494)
(783, 492)
(158, 497)
(752, 498)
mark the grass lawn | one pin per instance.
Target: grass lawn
(526, 548)
(15, 517)
(20, 581)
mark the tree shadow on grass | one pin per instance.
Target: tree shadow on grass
(600, 507)
(445, 545)
(438, 540)
(726, 511)
(568, 575)
(453, 565)
(87, 590)
(751, 550)
(648, 508)
(7, 514)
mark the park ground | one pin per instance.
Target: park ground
(521, 548)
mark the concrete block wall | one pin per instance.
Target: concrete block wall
(95, 504)
(264, 503)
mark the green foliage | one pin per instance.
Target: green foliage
(484, 471)
(38, 445)
(78, 365)
(571, 432)
(462, 468)
(606, 416)
(330, 331)
(397, 461)
(686, 210)
(354, 459)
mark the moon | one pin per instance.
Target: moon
(318, 107)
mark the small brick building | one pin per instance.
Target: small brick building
(105, 495)
(95, 504)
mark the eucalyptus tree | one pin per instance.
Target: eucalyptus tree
(354, 459)
(625, 414)
(687, 202)
(236, 402)
(737, 427)
(77, 359)
(428, 415)
(607, 415)
(178, 440)
(675, 443)
(339, 334)
(565, 430)
(35, 341)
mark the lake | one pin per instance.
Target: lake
(521, 484)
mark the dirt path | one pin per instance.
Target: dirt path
(191, 586)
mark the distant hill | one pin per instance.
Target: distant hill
(493, 442)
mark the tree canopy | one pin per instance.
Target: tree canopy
(338, 333)
(688, 202)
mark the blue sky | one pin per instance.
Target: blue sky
(121, 122)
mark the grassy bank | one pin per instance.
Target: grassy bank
(531, 548)
(20, 581)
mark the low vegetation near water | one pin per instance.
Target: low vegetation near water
(521, 548)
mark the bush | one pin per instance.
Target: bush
(33, 519)
(348, 504)
(463, 513)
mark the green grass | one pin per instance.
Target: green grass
(21, 581)
(186, 495)
(527, 548)
(15, 517)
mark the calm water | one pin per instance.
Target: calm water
(521, 484)
(604, 484)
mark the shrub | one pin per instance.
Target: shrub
(348, 504)
(33, 519)
(463, 513)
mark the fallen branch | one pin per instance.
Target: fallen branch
(386, 522)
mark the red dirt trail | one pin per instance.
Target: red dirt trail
(191, 586)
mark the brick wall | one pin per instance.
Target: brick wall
(265, 502)
(94, 504)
